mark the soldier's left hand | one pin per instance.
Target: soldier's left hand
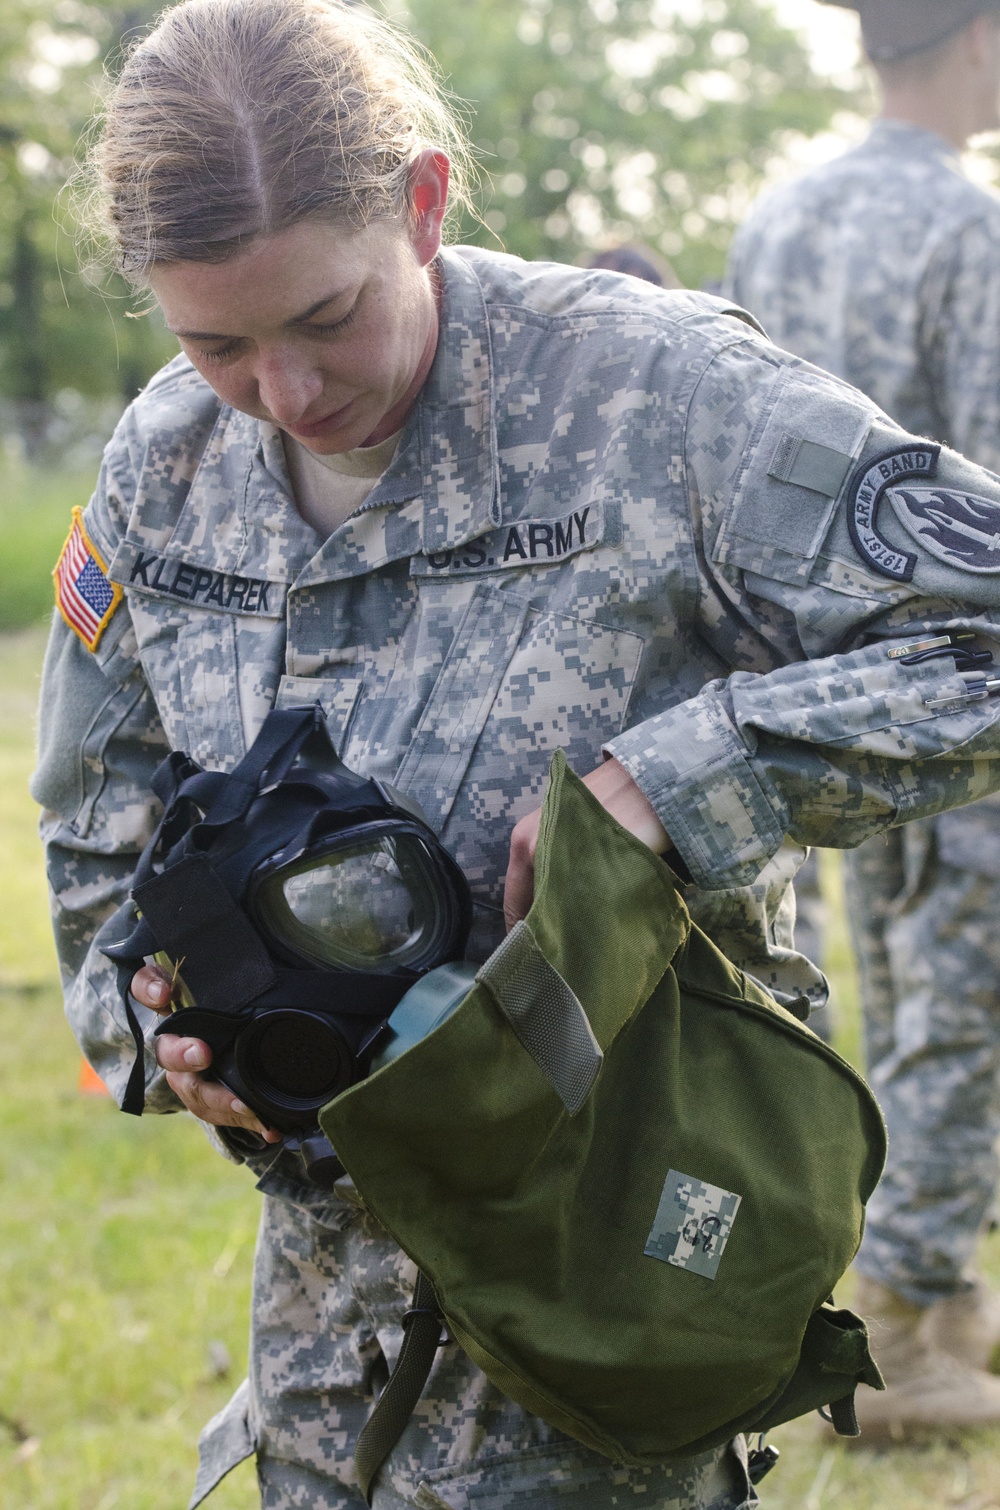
(186, 1060)
(615, 790)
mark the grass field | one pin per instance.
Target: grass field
(125, 1245)
(35, 513)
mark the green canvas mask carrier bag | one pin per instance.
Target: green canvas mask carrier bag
(630, 1180)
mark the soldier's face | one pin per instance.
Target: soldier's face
(324, 330)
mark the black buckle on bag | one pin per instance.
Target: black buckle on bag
(415, 1311)
(842, 1416)
(761, 1461)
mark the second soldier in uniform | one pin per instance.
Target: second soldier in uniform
(883, 267)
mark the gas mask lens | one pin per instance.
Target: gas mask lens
(361, 902)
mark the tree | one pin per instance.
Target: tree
(594, 120)
(618, 119)
(55, 332)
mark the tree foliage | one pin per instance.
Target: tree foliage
(608, 120)
(595, 120)
(57, 332)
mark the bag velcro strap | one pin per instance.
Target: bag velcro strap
(844, 1417)
(545, 1014)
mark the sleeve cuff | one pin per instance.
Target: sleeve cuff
(696, 771)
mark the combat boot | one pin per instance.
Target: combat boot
(966, 1325)
(927, 1390)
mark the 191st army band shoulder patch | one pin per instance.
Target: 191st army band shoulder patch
(84, 596)
(961, 529)
(868, 487)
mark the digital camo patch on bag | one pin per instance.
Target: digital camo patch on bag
(692, 1224)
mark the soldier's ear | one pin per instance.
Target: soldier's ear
(428, 200)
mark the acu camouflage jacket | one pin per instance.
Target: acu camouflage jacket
(882, 267)
(618, 518)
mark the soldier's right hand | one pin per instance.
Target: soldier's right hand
(185, 1059)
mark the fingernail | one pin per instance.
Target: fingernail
(159, 990)
(195, 1057)
(238, 1108)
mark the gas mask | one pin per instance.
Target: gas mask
(295, 903)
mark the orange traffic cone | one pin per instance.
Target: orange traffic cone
(89, 1082)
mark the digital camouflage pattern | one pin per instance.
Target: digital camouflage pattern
(466, 1447)
(933, 1036)
(881, 266)
(708, 622)
(809, 933)
(692, 1224)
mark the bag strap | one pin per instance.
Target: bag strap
(834, 1360)
(405, 1385)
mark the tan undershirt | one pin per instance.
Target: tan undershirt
(328, 489)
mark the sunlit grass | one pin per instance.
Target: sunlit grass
(124, 1256)
(125, 1245)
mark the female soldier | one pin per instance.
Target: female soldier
(480, 510)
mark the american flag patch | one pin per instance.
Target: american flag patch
(84, 596)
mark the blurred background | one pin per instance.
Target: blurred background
(125, 1246)
(595, 122)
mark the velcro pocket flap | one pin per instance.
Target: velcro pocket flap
(545, 1014)
(796, 466)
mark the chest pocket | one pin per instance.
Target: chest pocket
(213, 675)
(208, 671)
(209, 641)
(336, 695)
(518, 684)
(797, 463)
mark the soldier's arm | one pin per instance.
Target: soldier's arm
(100, 740)
(806, 560)
(960, 338)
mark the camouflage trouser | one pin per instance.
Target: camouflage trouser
(330, 1289)
(927, 934)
